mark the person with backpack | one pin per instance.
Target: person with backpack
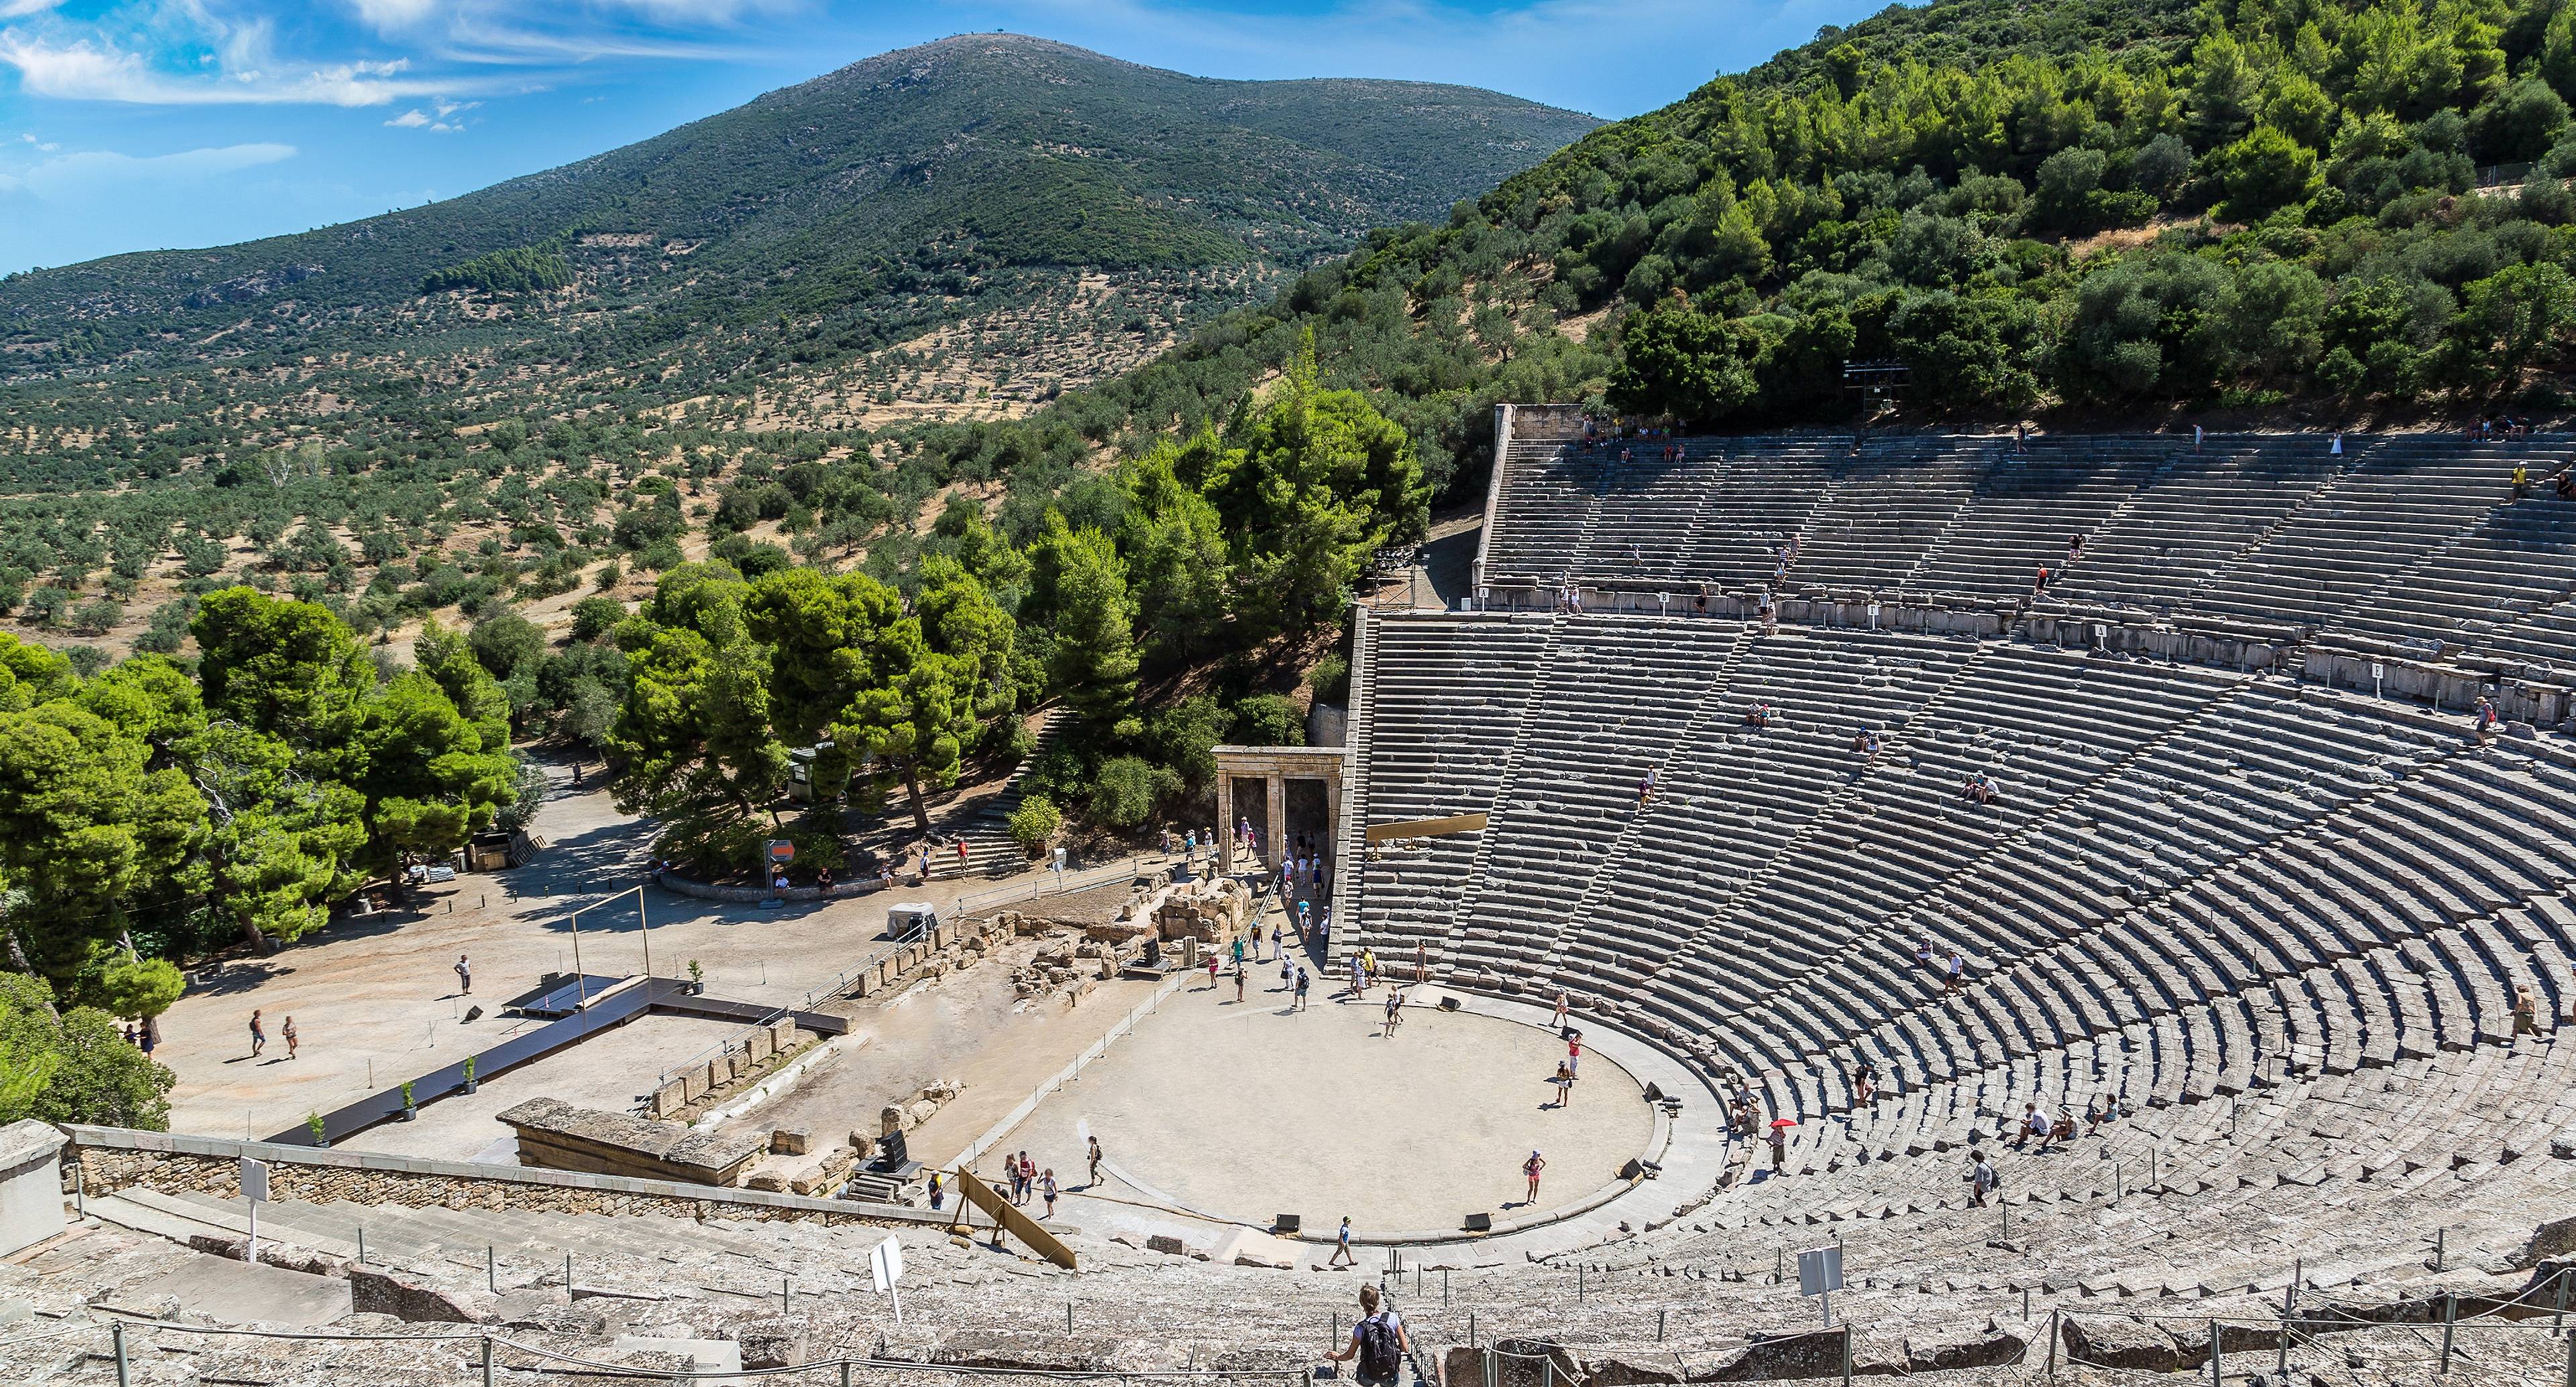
(1378, 1341)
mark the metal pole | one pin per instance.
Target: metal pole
(1471, 1333)
(845, 1370)
(647, 927)
(2052, 1344)
(581, 993)
(2558, 1317)
(491, 1270)
(1847, 1353)
(2214, 1378)
(2571, 1361)
(2025, 1304)
(487, 1360)
(782, 1293)
(1578, 1283)
(1444, 1289)
(124, 1375)
(567, 1273)
(362, 1244)
(2450, 1316)
(2281, 1368)
(2441, 1245)
(1659, 1325)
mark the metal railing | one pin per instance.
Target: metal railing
(1052, 883)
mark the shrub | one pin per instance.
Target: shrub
(594, 617)
(1033, 825)
(1330, 679)
(1269, 720)
(1127, 789)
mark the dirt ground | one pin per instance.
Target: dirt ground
(375, 998)
(1248, 1109)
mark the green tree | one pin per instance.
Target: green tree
(1693, 366)
(73, 1065)
(85, 820)
(1322, 482)
(1173, 542)
(2512, 318)
(2265, 172)
(694, 741)
(1078, 588)
(288, 669)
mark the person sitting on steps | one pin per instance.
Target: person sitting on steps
(1758, 717)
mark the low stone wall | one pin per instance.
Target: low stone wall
(2220, 645)
(106, 1159)
(557, 1135)
(2450, 688)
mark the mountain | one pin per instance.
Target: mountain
(2316, 213)
(980, 175)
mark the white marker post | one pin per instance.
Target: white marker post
(1820, 1274)
(254, 1187)
(887, 1262)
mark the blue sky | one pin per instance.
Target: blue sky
(151, 123)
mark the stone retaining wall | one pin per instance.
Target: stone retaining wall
(110, 1159)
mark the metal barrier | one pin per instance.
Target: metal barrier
(1062, 884)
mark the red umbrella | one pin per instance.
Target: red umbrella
(1779, 1122)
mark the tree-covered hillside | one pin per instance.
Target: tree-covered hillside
(2356, 205)
(813, 224)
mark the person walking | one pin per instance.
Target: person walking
(1094, 1156)
(1560, 1013)
(286, 1032)
(1564, 1081)
(464, 976)
(1530, 1171)
(1301, 989)
(1779, 1150)
(1981, 1179)
(1957, 975)
(1238, 980)
(938, 1192)
(1342, 1247)
(1046, 1186)
(1377, 1341)
(1387, 1032)
(1574, 1053)
(258, 1034)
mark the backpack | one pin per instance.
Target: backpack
(1380, 1355)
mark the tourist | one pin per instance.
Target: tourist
(925, 862)
(1277, 947)
(1287, 974)
(1770, 613)
(2521, 480)
(2526, 1011)
(464, 977)
(1923, 954)
(1530, 1170)
(1564, 1081)
(2062, 1128)
(1574, 1053)
(1368, 965)
(938, 1192)
(1865, 741)
(258, 1034)
(961, 854)
(2021, 437)
(1238, 953)
(2032, 1125)
(1779, 1149)
(1394, 999)
(885, 876)
(1028, 1177)
(151, 1031)
(1238, 980)
(1094, 1156)
(1305, 917)
(2486, 719)
(2195, 438)
(1359, 978)
(1301, 988)
(2074, 548)
(2335, 449)
(1560, 1013)
(1211, 970)
(1378, 1342)
(129, 1032)
(1758, 716)
(1342, 1247)
(2039, 584)
(1957, 976)
(1646, 788)
(1047, 1187)
(2096, 1112)
(1865, 1082)
(286, 1032)
(1981, 1178)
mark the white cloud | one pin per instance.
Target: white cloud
(19, 9)
(84, 172)
(435, 118)
(85, 71)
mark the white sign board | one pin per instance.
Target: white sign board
(1820, 1271)
(887, 1263)
(254, 1180)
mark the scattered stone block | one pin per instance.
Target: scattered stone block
(1164, 1243)
(772, 1343)
(791, 1141)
